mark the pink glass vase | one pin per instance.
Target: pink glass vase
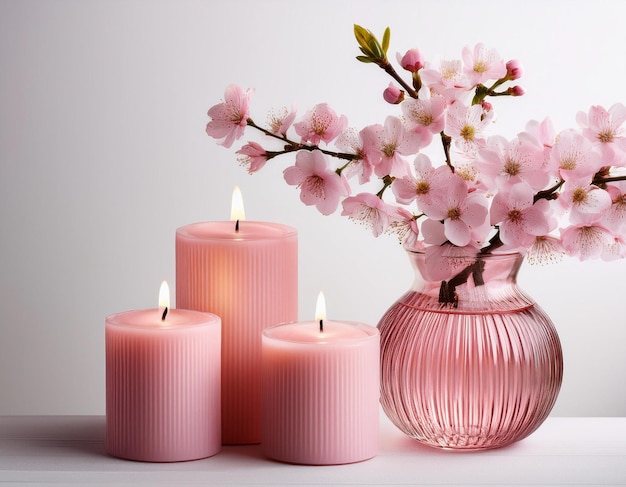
(468, 360)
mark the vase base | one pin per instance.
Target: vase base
(469, 439)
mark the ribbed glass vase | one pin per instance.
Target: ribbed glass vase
(468, 360)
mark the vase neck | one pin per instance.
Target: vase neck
(473, 281)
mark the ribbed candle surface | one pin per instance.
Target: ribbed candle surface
(320, 393)
(163, 385)
(249, 278)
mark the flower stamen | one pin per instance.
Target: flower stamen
(606, 136)
(579, 196)
(423, 187)
(468, 132)
(314, 185)
(512, 167)
(515, 216)
(454, 213)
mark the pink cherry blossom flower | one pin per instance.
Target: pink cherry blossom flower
(516, 90)
(616, 249)
(520, 220)
(319, 184)
(605, 127)
(425, 115)
(466, 126)
(586, 241)
(321, 124)
(459, 211)
(404, 225)
(351, 141)
(433, 232)
(279, 121)
(390, 142)
(546, 249)
(393, 95)
(368, 210)
(229, 119)
(422, 187)
(514, 69)
(443, 262)
(573, 156)
(503, 163)
(585, 202)
(252, 156)
(544, 134)
(482, 64)
(614, 218)
(411, 61)
(542, 131)
(448, 81)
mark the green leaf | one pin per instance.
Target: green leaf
(367, 52)
(386, 37)
(365, 59)
(377, 50)
(370, 46)
(362, 35)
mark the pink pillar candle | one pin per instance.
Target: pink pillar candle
(249, 277)
(320, 392)
(163, 385)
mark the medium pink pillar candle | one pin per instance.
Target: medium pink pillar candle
(249, 277)
(320, 393)
(163, 385)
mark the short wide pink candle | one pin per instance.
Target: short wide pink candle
(246, 273)
(320, 393)
(163, 385)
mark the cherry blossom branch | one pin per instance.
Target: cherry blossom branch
(293, 146)
(548, 193)
(446, 141)
(513, 72)
(379, 150)
(282, 138)
(599, 180)
(494, 243)
(389, 69)
(375, 52)
(447, 289)
(387, 180)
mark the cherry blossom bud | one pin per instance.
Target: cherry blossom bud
(393, 94)
(412, 61)
(516, 91)
(514, 69)
(487, 107)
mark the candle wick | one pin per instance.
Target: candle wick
(164, 314)
(237, 226)
(321, 326)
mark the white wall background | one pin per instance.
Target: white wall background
(103, 155)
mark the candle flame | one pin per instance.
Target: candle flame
(320, 307)
(237, 212)
(164, 295)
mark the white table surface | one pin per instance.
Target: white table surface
(61, 450)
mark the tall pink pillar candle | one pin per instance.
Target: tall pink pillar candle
(163, 385)
(249, 277)
(320, 393)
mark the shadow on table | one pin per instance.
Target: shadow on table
(84, 436)
(54, 436)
